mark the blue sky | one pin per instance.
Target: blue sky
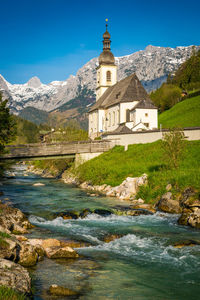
(52, 39)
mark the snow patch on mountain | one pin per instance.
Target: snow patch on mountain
(151, 65)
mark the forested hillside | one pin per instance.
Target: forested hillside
(179, 86)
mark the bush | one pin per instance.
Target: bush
(173, 144)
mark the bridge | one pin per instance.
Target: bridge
(78, 150)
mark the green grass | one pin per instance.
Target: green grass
(4, 235)
(115, 165)
(10, 294)
(55, 167)
(183, 114)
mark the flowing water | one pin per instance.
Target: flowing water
(142, 264)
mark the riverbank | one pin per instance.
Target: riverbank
(17, 253)
(186, 202)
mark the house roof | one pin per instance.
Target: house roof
(145, 105)
(121, 129)
(128, 89)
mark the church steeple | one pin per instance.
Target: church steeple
(106, 57)
(106, 39)
(107, 70)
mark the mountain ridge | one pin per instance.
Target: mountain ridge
(151, 65)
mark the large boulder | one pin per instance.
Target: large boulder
(9, 249)
(168, 204)
(13, 220)
(28, 255)
(48, 243)
(14, 276)
(194, 219)
(190, 204)
(61, 252)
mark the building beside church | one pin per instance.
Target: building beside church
(122, 106)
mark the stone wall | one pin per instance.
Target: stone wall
(144, 137)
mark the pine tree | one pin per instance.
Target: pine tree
(7, 125)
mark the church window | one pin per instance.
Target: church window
(118, 116)
(108, 76)
(147, 125)
(109, 119)
(146, 115)
(127, 115)
(113, 118)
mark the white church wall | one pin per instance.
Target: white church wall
(102, 82)
(101, 120)
(112, 116)
(123, 107)
(93, 124)
(146, 116)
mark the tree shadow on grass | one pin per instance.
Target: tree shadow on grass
(157, 168)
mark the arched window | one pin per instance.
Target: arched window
(109, 119)
(113, 118)
(118, 116)
(108, 76)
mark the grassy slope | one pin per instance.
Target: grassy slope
(115, 165)
(183, 114)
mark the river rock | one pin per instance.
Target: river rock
(57, 290)
(68, 215)
(128, 211)
(14, 276)
(9, 249)
(183, 219)
(147, 207)
(61, 252)
(190, 203)
(168, 205)
(70, 178)
(74, 244)
(194, 219)
(38, 184)
(111, 237)
(28, 256)
(13, 220)
(102, 212)
(85, 213)
(48, 243)
(187, 243)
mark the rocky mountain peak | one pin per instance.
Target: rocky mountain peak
(151, 65)
(34, 82)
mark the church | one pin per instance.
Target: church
(121, 106)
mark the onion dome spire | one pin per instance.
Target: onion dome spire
(106, 57)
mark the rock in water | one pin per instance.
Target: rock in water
(14, 276)
(28, 256)
(61, 291)
(48, 243)
(187, 243)
(111, 237)
(38, 184)
(61, 252)
(102, 212)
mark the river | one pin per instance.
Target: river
(141, 265)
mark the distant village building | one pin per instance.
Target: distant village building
(122, 106)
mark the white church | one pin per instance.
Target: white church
(122, 106)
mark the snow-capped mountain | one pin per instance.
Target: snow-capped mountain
(151, 65)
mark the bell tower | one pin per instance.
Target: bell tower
(107, 70)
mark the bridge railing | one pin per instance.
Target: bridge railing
(56, 149)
